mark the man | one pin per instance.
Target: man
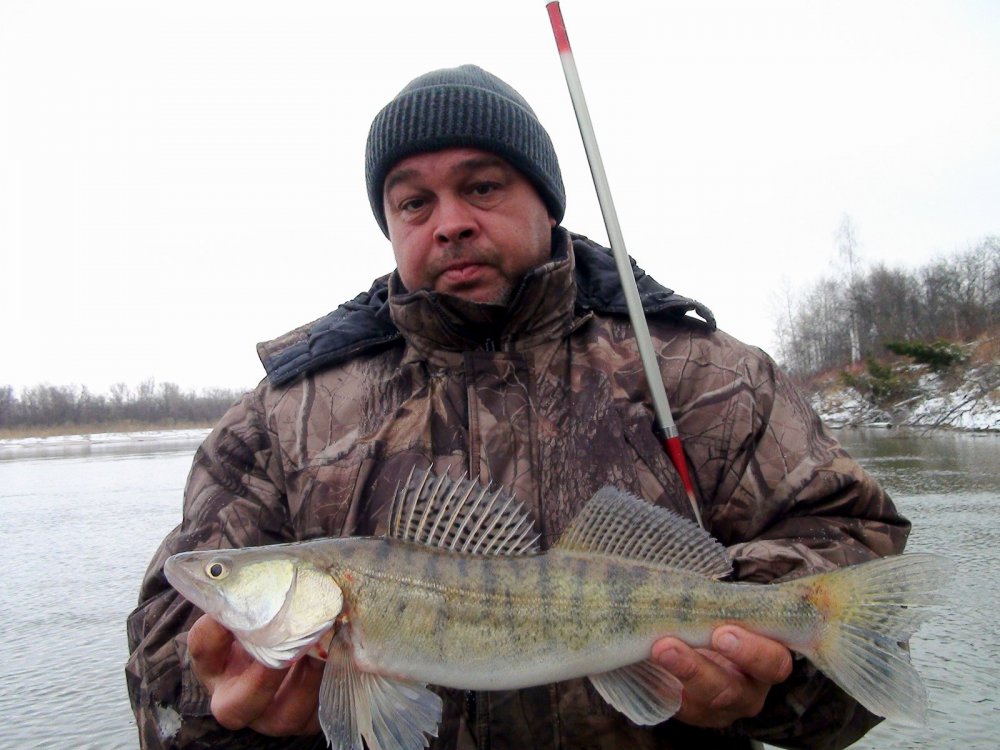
(499, 347)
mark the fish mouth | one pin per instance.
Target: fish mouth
(183, 572)
(186, 583)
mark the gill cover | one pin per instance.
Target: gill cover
(312, 603)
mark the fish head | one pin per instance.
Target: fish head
(266, 595)
(241, 591)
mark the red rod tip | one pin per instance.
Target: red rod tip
(676, 453)
(558, 27)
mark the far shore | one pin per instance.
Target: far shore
(127, 427)
(21, 433)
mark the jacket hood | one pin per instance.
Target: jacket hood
(365, 324)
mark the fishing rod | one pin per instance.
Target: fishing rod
(664, 428)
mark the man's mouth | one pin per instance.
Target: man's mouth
(461, 273)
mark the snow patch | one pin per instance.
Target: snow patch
(110, 438)
(100, 443)
(971, 403)
(169, 721)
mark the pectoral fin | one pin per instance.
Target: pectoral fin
(389, 714)
(645, 692)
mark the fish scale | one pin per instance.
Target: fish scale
(455, 604)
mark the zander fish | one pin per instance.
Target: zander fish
(458, 594)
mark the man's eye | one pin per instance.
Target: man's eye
(413, 204)
(484, 188)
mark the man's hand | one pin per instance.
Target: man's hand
(727, 682)
(245, 693)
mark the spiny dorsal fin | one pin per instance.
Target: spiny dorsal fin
(460, 516)
(613, 522)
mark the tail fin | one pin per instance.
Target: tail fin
(871, 609)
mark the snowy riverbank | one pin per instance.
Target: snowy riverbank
(97, 442)
(967, 402)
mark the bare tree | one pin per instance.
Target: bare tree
(47, 405)
(847, 249)
(839, 320)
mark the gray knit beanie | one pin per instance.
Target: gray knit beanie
(455, 107)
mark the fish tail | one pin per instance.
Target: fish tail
(867, 613)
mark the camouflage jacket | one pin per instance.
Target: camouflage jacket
(548, 399)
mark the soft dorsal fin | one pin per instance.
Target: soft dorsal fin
(460, 516)
(613, 522)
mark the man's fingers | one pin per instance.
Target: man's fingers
(240, 699)
(245, 693)
(293, 710)
(728, 682)
(241, 689)
(760, 658)
(702, 677)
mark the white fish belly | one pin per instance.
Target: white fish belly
(507, 672)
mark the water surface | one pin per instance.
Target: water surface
(78, 532)
(79, 524)
(948, 485)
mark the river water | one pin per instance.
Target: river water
(80, 520)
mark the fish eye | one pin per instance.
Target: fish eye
(217, 570)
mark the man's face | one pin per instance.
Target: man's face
(465, 222)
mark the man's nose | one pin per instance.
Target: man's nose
(456, 221)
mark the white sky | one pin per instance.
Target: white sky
(179, 180)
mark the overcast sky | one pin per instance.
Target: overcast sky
(179, 180)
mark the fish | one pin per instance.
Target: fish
(458, 593)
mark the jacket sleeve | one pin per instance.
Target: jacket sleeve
(234, 498)
(789, 501)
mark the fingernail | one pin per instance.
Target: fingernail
(668, 658)
(727, 643)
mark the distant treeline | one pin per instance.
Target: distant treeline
(843, 318)
(148, 403)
